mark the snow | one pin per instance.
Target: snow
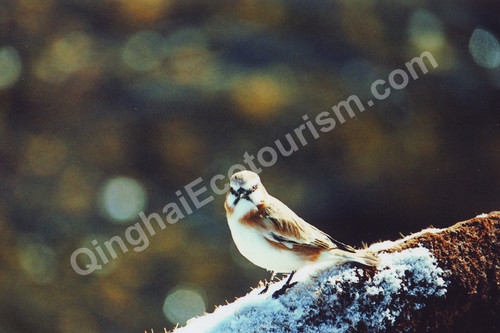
(335, 299)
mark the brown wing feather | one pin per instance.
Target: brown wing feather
(290, 227)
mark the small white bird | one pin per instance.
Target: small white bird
(272, 236)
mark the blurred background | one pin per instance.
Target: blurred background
(109, 107)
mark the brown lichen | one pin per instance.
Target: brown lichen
(470, 251)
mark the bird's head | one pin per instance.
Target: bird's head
(245, 191)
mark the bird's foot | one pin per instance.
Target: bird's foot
(266, 288)
(283, 289)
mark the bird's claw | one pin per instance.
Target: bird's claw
(263, 291)
(283, 290)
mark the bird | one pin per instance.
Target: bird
(270, 235)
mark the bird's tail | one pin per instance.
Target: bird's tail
(362, 257)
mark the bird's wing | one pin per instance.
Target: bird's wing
(286, 227)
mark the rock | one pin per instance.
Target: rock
(434, 280)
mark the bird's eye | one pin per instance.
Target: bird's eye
(254, 187)
(233, 191)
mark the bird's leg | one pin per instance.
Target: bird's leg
(266, 287)
(285, 286)
(289, 279)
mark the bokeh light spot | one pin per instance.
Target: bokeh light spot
(38, 260)
(484, 49)
(188, 53)
(143, 11)
(10, 67)
(181, 145)
(45, 155)
(106, 268)
(66, 55)
(77, 319)
(122, 199)
(270, 12)
(367, 35)
(144, 51)
(259, 96)
(183, 303)
(426, 31)
(74, 191)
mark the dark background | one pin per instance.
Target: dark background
(162, 92)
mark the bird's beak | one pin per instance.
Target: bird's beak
(240, 193)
